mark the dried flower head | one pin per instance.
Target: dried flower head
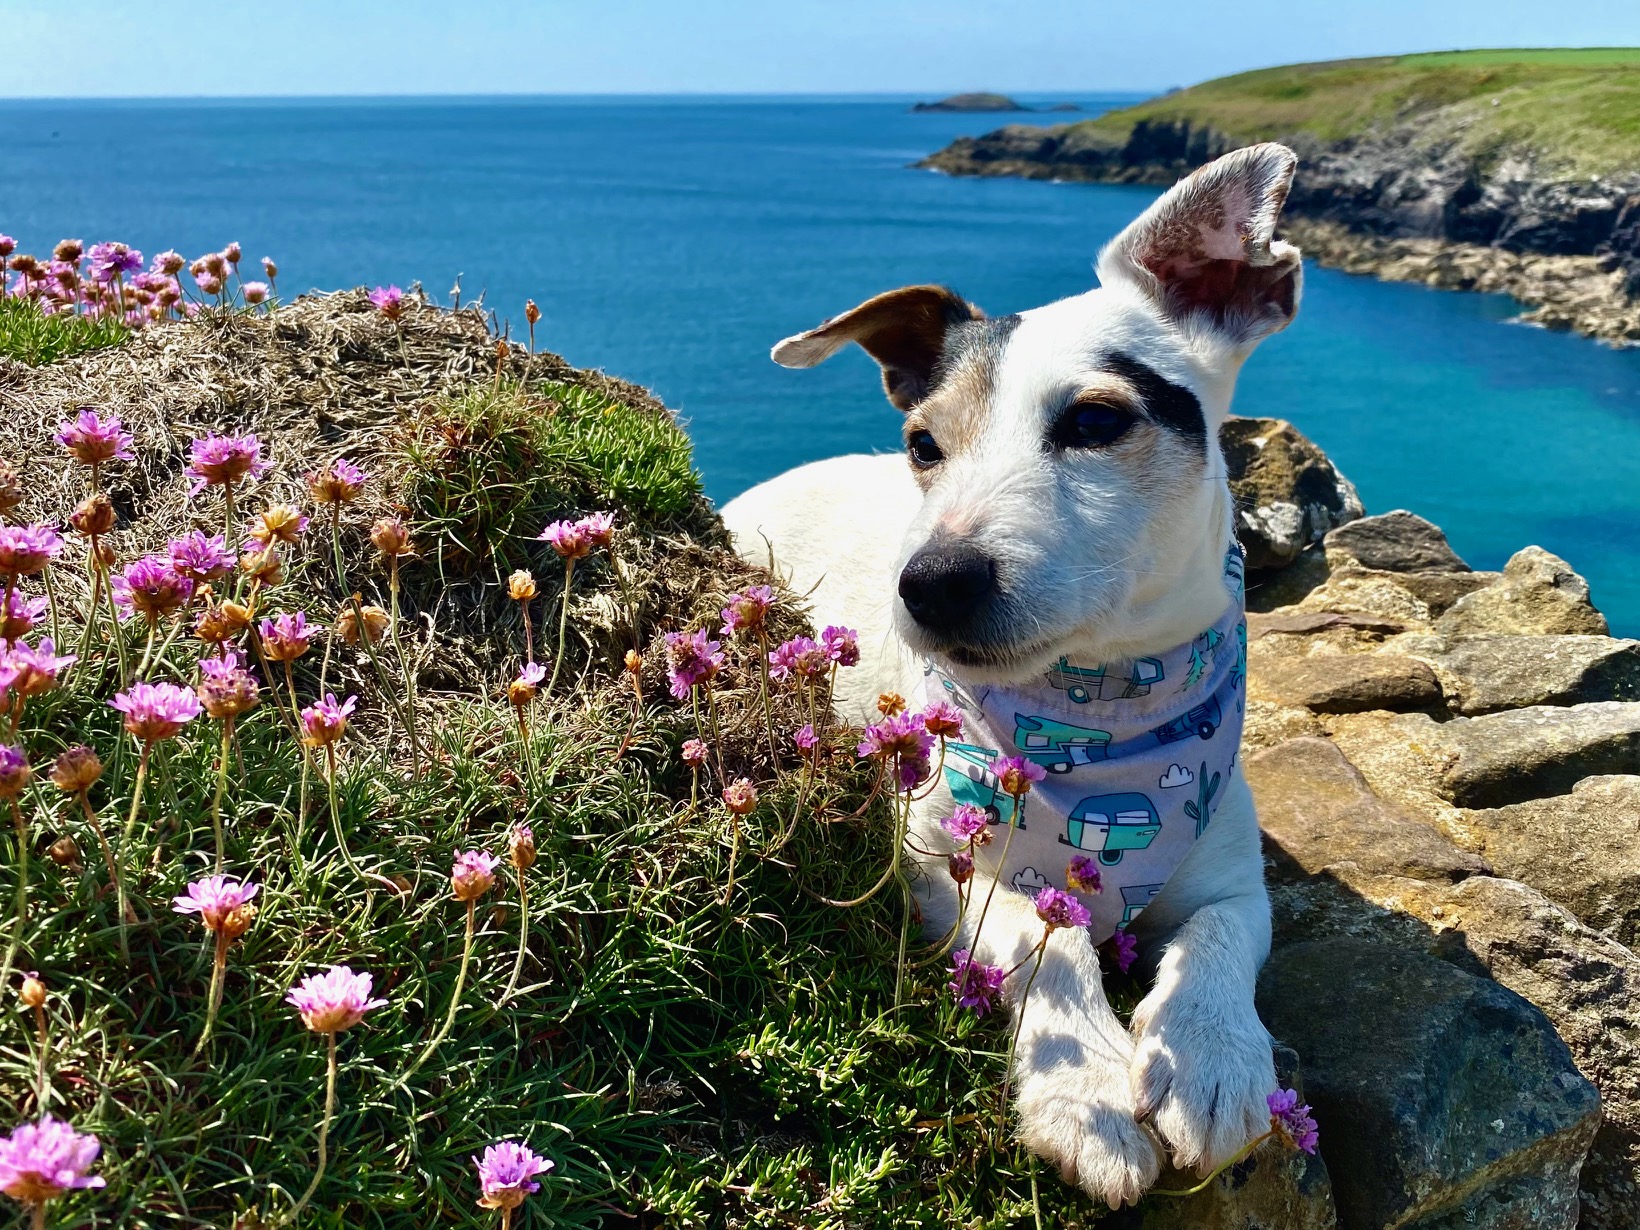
(33, 991)
(265, 567)
(222, 903)
(151, 587)
(961, 865)
(633, 662)
(76, 769)
(1016, 774)
(64, 852)
(222, 621)
(226, 687)
(40, 1161)
(473, 874)
(26, 549)
(521, 586)
(324, 722)
(375, 621)
(335, 1000)
(521, 691)
(740, 796)
(1082, 875)
(531, 312)
(91, 441)
(568, 539)
(975, 984)
(155, 711)
(15, 774)
(1291, 1122)
(747, 610)
(390, 536)
(281, 523)
(338, 483)
(506, 1174)
(286, 637)
(521, 847)
(224, 460)
(94, 516)
(11, 487)
(69, 250)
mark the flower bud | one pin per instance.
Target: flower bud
(633, 661)
(63, 851)
(375, 624)
(521, 847)
(961, 865)
(521, 586)
(390, 536)
(531, 312)
(76, 769)
(94, 516)
(237, 921)
(33, 991)
(15, 774)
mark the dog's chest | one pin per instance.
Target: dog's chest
(1137, 756)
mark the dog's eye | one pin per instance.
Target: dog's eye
(1091, 424)
(923, 449)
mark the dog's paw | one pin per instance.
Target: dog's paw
(1201, 1077)
(1097, 1144)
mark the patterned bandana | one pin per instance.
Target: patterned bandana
(1138, 755)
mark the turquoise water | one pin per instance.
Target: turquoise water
(672, 241)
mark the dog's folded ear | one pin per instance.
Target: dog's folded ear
(904, 330)
(1206, 251)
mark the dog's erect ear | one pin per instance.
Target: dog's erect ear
(1207, 248)
(904, 330)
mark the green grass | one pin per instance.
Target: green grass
(31, 336)
(684, 1063)
(1579, 107)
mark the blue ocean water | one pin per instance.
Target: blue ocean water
(672, 241)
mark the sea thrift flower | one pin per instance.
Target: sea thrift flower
(69, 250)
(521, 847)
(376, 621)
(1060, 909)
(694, 753)
(506, 1173)
(521, 586)
(966, 822)
(222, 621)
(34, 671)
(805, 738)
(8, 245)
(222, 903)
(799, 658)
(232, 253)
(270, 269)
(944, 719)
(390, 536)
(568, 538)
(1127, 950)
(335, 1000)
(224, 460)
(325, 721)
(20, 615)
(168, 263)
(1292, 1122)
(740, 796)
(226, 688)
(33, 992)
(903, 735)
(286, 637)
(890, 703)
(15, 774)
(265, 567)
(473, 875)
(93, 441)
(76, 770)
(41, 1161)
(388, 300)
(521, 691)
(693, 660)
(255, 293)
(747, 610)
(26, 549)
(151, 587)
(961, 865)
(338, 483)
(94, 516)
(155, 711)
(111, 260)
(201, 557)
(975, 984)
(281, 523)
(1017, 774)
(598, 528)
(841, 645)
(1082, 875)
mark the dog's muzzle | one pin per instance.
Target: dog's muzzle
(945, 585)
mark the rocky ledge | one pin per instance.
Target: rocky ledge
(1410, 204)
(1447, 767)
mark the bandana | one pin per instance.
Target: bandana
(1138, 755)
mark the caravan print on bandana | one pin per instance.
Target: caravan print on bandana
(1138, 755)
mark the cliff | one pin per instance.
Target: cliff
(1516, 172)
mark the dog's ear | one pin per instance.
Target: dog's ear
(904, 330)
(1207, 248)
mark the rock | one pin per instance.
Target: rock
(1538, 595)
(1270, 591)
(971, 102)
(1581, 850)
(1386, 595)
(1483, 674)
(1444, 1100)
(1348, 683)
(1317, 811)
(1267, 723)
(1543, 750)
(1397, 541)
(1439, 591)
(1288, 494)
(1301, 623)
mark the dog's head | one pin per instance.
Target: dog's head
(1074, 492)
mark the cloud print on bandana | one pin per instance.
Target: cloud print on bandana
(1176, 775)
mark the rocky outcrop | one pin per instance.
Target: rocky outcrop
(1447, 767)
(1288, 494)
(977, 102)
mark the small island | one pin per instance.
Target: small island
(972, 102)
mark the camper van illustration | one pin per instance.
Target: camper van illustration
(1111, 825)
(1199, 723)
(1058, 746)
(1135, 897)
(968, 776)
(1107, 681)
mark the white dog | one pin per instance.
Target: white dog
(1053, 547)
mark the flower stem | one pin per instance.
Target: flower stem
(214, 1001)
(102, 841)
(227, 516)
(768, 710)
(221, 787)
(404, 662)
(1002, 861)
(455, 1001)
(21, 906)
(336, 548)
(148, 647)
(563, 623)
(336, 824)
(1019, 1023)
(40, 1089)
(324, 1133)
(523, 938)
(302, 793)
(125, 847)
(1240, 1156)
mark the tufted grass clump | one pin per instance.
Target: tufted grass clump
(34, 337)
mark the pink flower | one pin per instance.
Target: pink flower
(20, 615)
(505, 1174)
(805, 738)
(960, 864)
(799, 658)
(110, 260)
(903, 735)
(1291, 1121)
(389, 301)
(15, 774)
(325, 721)
(226, 688)
(694, 753)
(93, 441)
(224, 460)
(1127, 950)
(521, 691)
(1017, 774)
(334, 1000)
(41, 1161)
(692, 660)
(974, 983)
(338, 483)
(33, 671)
(944, 719)
(26, 549)
(841, 645)
(151, 587)
(911, 771)
(1082, 875)
(200, 556)
(155, 711)
(1060, 909)
(965, 823)
(255, 293)
(598, 528)
(219, 901)
(740, 796)
(473, 874)
(168, 263)
(286, 637)
(568, 538)
(747, 609)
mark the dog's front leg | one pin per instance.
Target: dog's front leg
(1072, 1060)
(1201, 1065)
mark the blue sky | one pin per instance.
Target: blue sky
(56, 48)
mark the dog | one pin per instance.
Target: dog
(1049, 553)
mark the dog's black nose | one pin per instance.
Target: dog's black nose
(943, 585)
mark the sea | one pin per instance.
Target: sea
(673, 240)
